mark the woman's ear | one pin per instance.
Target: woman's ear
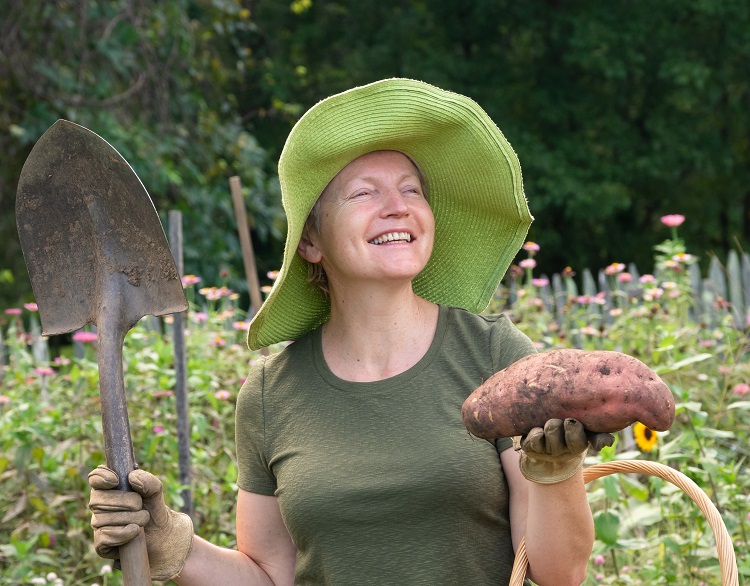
(308, 250)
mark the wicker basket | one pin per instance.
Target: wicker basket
(727, 560)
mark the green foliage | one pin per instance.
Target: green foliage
(647, 530)
(159, 81)
(619, 111)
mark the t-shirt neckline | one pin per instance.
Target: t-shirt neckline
(385, 384)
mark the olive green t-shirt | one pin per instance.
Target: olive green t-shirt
(379, 482)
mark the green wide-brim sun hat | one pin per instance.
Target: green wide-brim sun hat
(475, 192)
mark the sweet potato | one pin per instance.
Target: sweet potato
(606, 391)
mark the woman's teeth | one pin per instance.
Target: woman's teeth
(392, 237)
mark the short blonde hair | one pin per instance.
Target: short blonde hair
(316, 274)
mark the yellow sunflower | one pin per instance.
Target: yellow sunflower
(645, 438)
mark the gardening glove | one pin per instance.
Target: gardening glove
(557, 451)
(117, 517)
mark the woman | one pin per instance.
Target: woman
(405, 207)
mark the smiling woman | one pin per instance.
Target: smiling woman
(354, 465)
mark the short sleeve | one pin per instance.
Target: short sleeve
(508, 344)
(254, 474)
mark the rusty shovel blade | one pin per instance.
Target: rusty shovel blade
(84, 220)
(96, 254)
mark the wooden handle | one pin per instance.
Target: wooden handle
(134, 562)
(118, 445)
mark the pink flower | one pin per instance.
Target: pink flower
(647, 279)
(200, 316)
(44, 371)
(741, 389)
(599, 560)
(541, 282)
(190, 280)
(672, 220)
(624, 278)
(531, 247)
(158, 429)
(31, 306)
(4, 400)
(527, 263)
(682, 257)
(85, 337)
(273, 275)
(240, 325)
(62, 360)
(222, 395)
(217, 341)
(13, 311)
(614, 268)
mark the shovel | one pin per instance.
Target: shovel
(96, 254)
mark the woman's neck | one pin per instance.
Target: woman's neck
(377, 335)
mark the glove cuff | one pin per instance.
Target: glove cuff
(550, 470)
(175, 548)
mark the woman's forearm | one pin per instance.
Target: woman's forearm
(559, 532)
(209, 565)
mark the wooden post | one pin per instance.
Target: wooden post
(180, 368)
(248, 256)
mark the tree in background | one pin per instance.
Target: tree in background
(620, 112)
(158, 81)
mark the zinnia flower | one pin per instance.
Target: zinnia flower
(741, 389)
(672, 220)
(531, 247)
(527, 263)
(13, 311)
(31, 306)
(190, 280)
(614, 268)
(222, 395)
(646, 439)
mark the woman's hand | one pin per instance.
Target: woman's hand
(556, 452)
(117, 517)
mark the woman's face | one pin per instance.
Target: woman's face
(375, 223)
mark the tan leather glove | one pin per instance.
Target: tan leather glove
(117, 517)
(557, 451)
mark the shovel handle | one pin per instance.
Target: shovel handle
(118, 445)
(134, 562)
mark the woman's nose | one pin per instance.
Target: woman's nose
(394, 203)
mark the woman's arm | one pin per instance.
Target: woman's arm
(265, 553)
(556, 521)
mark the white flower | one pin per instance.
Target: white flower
(106, 569)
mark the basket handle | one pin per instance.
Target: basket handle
(724, 547)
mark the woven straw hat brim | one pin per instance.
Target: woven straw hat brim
(475, 192)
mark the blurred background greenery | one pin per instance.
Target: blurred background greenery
(620, 111)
